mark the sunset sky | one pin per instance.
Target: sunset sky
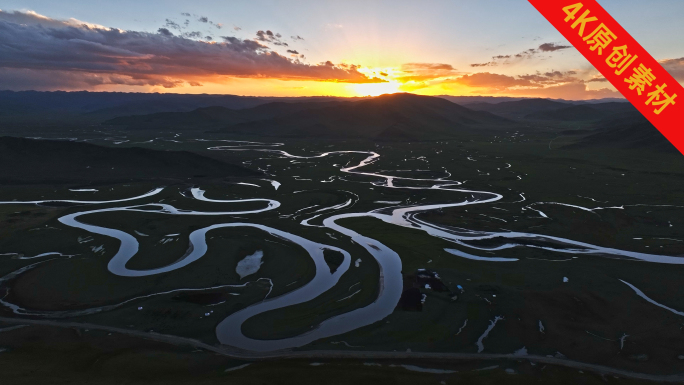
(306, 48)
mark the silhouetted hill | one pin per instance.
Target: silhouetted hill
(200, 118)
(587, 112)
(95, 107)
(105, 105)
(572, 113)
(177, 105)
(616, 107)
(388, 117)
(626, 132)
(212, 117)
(519, 109)
(468, 100)
(48, 161)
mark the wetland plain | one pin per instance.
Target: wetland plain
(493, 245)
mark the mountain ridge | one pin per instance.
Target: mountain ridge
(389, 117)
(399, 116)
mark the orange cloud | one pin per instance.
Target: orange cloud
(553, 84)
(421, 72)
(494, 81)
(572, 91)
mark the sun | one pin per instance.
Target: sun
(375, 89)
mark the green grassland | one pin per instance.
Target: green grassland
(583, 318)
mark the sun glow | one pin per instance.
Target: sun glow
(375, 89)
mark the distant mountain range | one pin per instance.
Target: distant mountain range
(214, 117)
(544, 109)
(394, 117)
(99, 106)
(50, 161)
(520, 108)
(468, 100)
(403, 112)
(610, 124)
(404, 117)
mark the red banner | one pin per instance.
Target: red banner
(623, 62)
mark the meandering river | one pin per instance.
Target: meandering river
(229, 330)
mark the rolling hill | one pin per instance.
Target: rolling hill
(50, 161)
(19, 107)
(212, 117)
(401, 117)
(587, 112)
(627, 133)
(520, 108)
(571, 114)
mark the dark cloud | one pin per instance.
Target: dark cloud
(295, 53)
(172, 24)
(164, 31)
(264, 36)
(244, 45)
(49, 80)
(270, 37)
(526, 54)
(205, 20)
(555, 74)
(91, 55)
(192, 35)
(550, 47)
(551, 78)
(186, 14)
(296, 37)
(237, 28)
(208, 38)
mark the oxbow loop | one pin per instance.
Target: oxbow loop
(622, 61)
